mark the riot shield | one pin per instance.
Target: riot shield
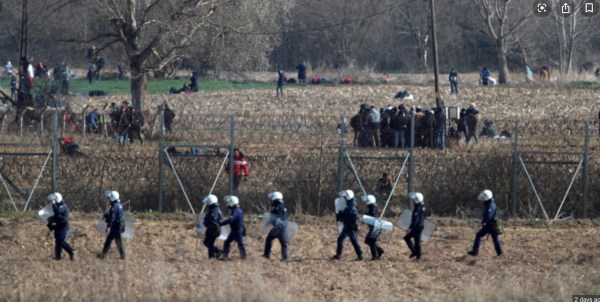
(201, 230)
(129, 227)
(46, 213)
(428, 226)
(475, 218)
(340, 205)
(381, 228)
(266, 224)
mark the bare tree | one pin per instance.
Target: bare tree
(415, 24)
(502, 19)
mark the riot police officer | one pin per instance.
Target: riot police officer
(115, 225)
(279, 218)
(373, 234)
(59, 223)
(238, 231)
(416, 225)
(487, 224)
(349, 218)
(211, 222)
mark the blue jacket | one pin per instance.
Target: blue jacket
(418, 217)
(349, 216)
(114, 216)
(212, 219)
(61, 215)
(279, 216)
(236, 220)
(489, 213)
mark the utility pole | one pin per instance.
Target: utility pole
(436, 74)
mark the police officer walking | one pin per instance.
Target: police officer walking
(349, 217)
(59, 223)
(487, 224)
(238, 231)
(211, 222)
(115, 225)
(416, 225)
(373, 234)
(279, 218)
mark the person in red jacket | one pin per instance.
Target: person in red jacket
(240, 166)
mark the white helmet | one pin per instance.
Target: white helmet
(210, 199)
(231, 201)
(276, 196)
(112, 195)
(416, 197)
(485, 195)
(368, 199)
(55, 196)
(347, 194)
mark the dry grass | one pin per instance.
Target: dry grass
(166, 263)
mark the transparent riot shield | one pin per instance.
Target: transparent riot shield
(428, 226)
(129, 227)
(46, 213)
(266, 224)
(201, 230)
(475, 218)
(382, 229)
(340, 205)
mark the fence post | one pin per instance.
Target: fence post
(231, 155)
(585, 169)
(513, 176)
(341, 162)
(411, 164)
(54, 149)
(161, 147)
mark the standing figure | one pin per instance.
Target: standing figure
(416, 225)
(279, 218)
(349, 217)
(115, 225)
(194, 82)
(238, 230)
(440, 127)
(471, 123)
(59, 223)
(212, 221)
(301, 72)
(137, 123)
(528, 74)
(485, 76)
(488, 222)
(374, 123)
(384, 186)
(453, 78)
(9, 68)
(13, 87)
(280, 82)
(123, 125)
(240, 167)
(169, 115)
(373, 234)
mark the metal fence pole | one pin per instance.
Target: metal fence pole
(54, 149)
(161, 148)
(513, 182)
(585, 170)
(231, 155)
(341, 162)
(411, 166)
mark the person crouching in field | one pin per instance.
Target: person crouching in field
(416, 225)
(238, 230)
(488, 224)
(372, 235)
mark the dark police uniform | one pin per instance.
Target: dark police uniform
(59, 222)
(279, 215)
(415, 230)
(213, 230)
(371, 238)
(236, 221)
(349, 217)
(114, 218)
(489, 217)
